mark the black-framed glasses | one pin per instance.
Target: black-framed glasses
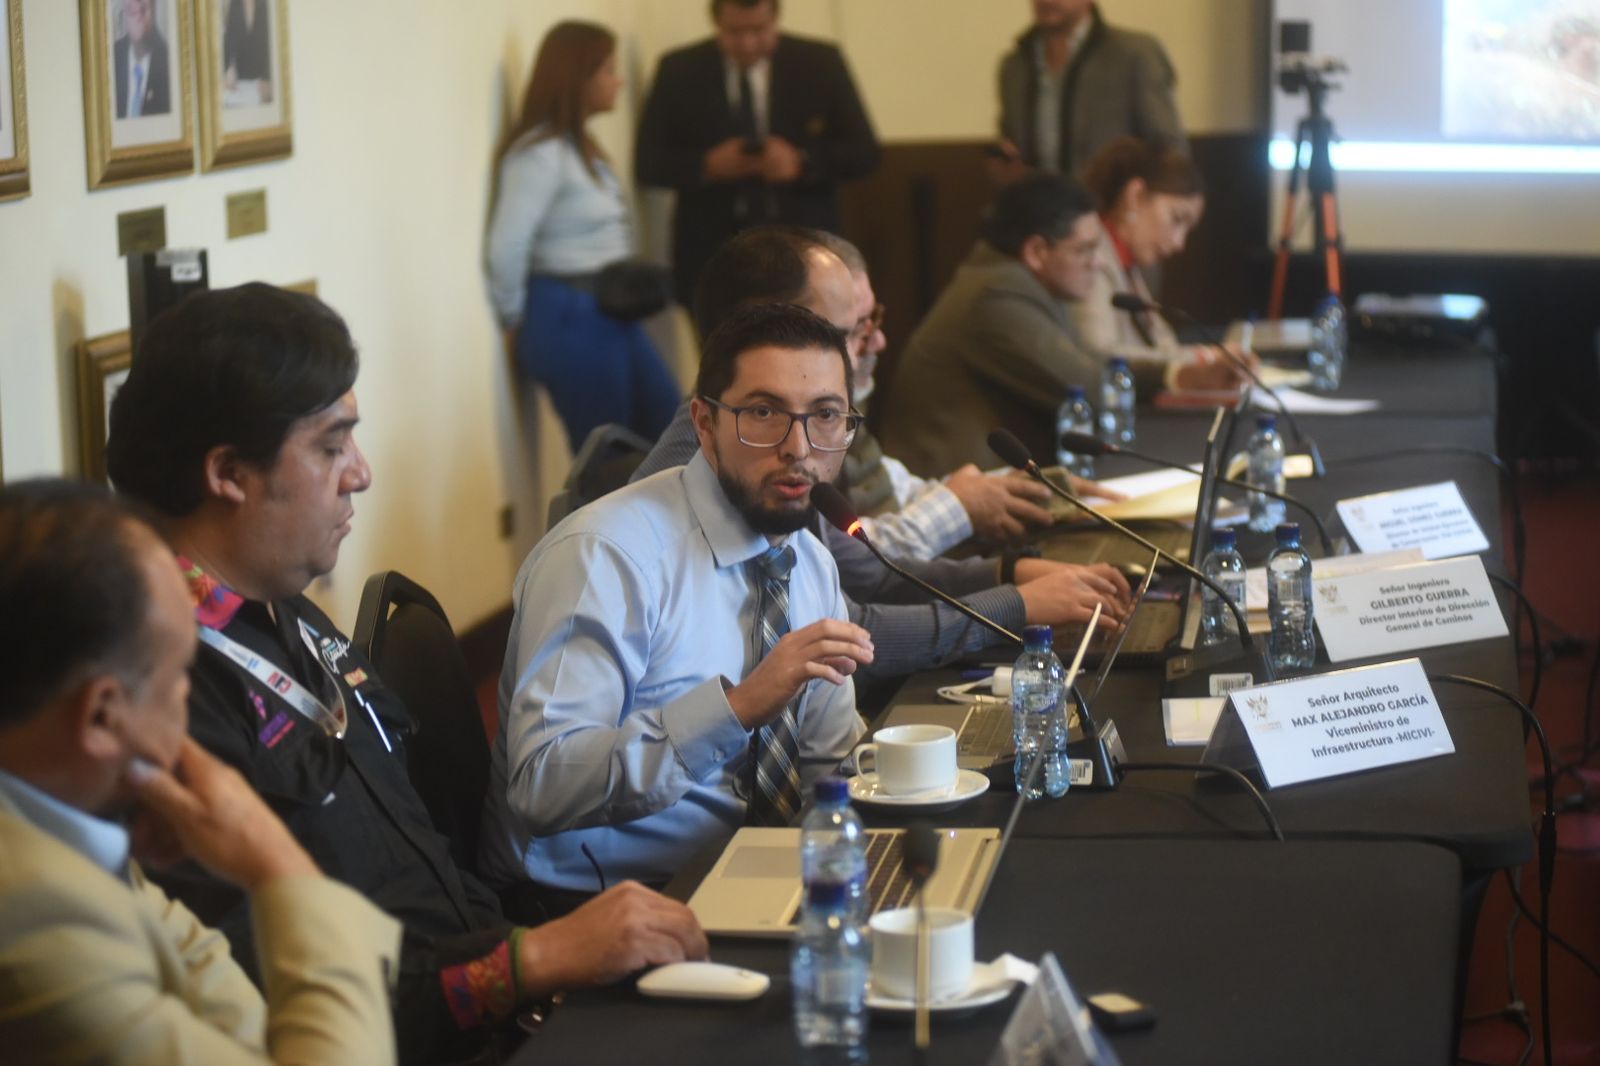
(867, 324)
(761, 425)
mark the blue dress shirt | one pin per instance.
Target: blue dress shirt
(101, 842)
(552, 217)
(615, 729)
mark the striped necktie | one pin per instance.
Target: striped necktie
(136, 102)
(775, 747)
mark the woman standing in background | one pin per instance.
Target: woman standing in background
(560, 218)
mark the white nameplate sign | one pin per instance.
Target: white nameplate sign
(1343, 722)
(1432, 517)
(1382, 612)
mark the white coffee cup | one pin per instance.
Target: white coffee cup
(894, 953)
(910, 758)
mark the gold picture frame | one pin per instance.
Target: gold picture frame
(14, 183)
(243, 119)
(138, 115)
(103, 364)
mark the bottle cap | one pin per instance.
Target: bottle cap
(832, 790)
(1266, 421)
(1289, 534)
(1118, 362)
(1224, 539)
(1075, 392)
(825, 893)
(1036, 635)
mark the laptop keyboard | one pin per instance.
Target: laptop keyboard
(1151, 630)
(988, 730)
(888, 884)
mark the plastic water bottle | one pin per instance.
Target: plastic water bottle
(1075, 416)
(1330, 341)
(1293, 644)
(828, 965)
(833, 846)
(1266, 470)
(1039, 715)
(1116, 403)
(1224, 565)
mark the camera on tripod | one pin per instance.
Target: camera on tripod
(1299, 70)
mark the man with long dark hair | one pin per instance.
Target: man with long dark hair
(237, 424)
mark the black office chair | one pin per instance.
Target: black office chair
(609, 456)
(404, 633)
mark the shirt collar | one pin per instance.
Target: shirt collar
(732, 541)
(101, 842)
(215, 604)
(1124, 253)
(1074, 45)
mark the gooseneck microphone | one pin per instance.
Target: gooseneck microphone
(1127, 301)
(832, 505)
(1006, 445)
(1086, 444)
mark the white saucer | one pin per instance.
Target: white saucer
(989, 985)
(868, 789)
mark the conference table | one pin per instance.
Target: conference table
(1245, 952)
(1343, 943)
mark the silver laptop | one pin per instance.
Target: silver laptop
(984, 729)
(755, 887)
(755, 890)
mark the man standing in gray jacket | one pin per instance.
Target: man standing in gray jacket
(1074, 83)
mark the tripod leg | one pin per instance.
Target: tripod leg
(1325, 200)
(1280, 268)
(1333, 244)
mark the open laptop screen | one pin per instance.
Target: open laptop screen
(1205, 509)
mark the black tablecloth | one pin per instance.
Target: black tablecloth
(1246, 951)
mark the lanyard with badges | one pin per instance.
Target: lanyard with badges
(332, 720)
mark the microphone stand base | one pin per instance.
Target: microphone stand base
(1189, 673)
(1093, 760)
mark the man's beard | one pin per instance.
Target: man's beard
(761, 518)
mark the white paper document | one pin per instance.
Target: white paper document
(1432, 517)
(1135, 485)
(1189, 721)
(1306, 403)
(1159, 494)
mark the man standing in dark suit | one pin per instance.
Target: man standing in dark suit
(749, 127)
(139, 61)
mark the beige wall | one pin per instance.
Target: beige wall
(927, 67)
(397, 107)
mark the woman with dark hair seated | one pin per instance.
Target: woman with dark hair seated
(1150, 197)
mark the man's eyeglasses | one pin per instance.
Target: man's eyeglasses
(867, 324)
(761, 425)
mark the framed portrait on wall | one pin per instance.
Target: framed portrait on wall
(244, 81)
(137, 91)
(103, 364)
(13, 104)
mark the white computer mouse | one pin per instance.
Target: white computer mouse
(704, 980)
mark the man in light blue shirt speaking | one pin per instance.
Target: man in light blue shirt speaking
(680, 659)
